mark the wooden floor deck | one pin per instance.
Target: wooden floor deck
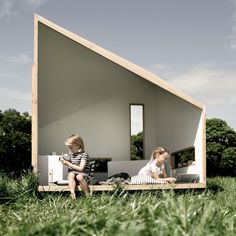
(93, 188)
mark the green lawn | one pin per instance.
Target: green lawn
(23, 211)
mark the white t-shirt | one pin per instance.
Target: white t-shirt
(151, 167)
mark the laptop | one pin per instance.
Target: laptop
(187, 178)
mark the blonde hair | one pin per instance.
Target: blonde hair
(159, 151)
(75, 139)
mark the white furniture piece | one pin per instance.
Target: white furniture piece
(51, 169)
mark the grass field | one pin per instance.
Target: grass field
(24, 211)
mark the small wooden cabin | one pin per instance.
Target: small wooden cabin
(79, 87)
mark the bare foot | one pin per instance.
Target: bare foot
(73, 196)
(89, 194)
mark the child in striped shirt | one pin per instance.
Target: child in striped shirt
(78, 166)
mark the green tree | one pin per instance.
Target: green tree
(137, 146)
(221, 148)
(15, 141)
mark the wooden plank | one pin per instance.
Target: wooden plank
(204, 143)
(34, 127)
(52, 188)
(34, 139)
(165, 186)
(94, 188)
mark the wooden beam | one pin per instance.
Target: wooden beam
(95, 188)
(204, 144)
(34, 139)
(34, 144)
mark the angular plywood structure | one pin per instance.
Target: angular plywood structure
(79, 87)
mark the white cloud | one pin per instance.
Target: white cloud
(20, 58)
(12, 98)
(14, 80)
(13, 94)
(136, 119)
(160, 69)
(159, 66)
(205, 81)
(213, 86)
(12, 8)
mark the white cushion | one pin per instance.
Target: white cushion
(145, 179)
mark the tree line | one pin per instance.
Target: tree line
(15, 141)
(15, 144)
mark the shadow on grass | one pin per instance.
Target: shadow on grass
(214, 185)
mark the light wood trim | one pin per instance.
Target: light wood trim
(121, 61)
(34, 127)
(36, 20)
(95, 188)
(34, 145)
(204, 144)
(165, 186)
(53, 187)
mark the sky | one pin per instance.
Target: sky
(190, 44)
(136, 119)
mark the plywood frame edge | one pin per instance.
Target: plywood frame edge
(95, 188)
(204, 143)
(34, 153)
(120, 61)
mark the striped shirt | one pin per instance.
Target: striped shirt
(76, 158)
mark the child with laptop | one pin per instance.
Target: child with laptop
(155, 168)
